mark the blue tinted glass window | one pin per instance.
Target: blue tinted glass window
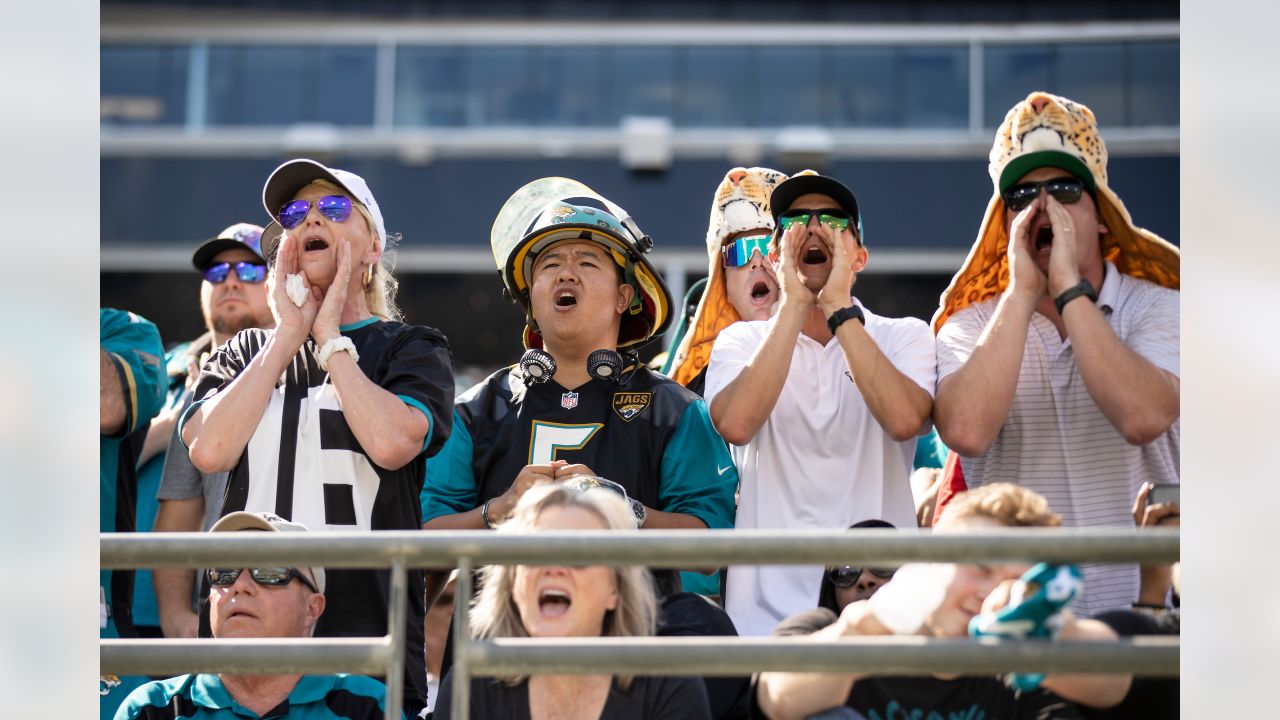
(863, 86)
(643, 81)
(344, 82)
(144, 85)
(791, 86)
(934, 86)
(573, 89)
(430, 87)
(1010, 73)
(1153, 83)
(272, 85)
(1092, 73)
(716, 87)
(500, 87)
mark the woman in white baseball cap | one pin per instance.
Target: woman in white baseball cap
(328, 419)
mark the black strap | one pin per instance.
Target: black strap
(1084, 288)
(838, 318)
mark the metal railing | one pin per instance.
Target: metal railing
(707, 656)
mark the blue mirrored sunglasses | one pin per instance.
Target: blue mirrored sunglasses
(334, 207)
(249, 272)
(739, 252)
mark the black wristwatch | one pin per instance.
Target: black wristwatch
(838, 318)
(1084, 288)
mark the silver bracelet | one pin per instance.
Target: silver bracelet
(484, 514)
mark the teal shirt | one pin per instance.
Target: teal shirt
(930, 451)
(693, 472)
(203, 697)
(450, 484)
(133, 344)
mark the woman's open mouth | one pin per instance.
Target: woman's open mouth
(315, 244)
(553, 603)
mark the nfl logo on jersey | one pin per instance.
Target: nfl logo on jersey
(569, 400)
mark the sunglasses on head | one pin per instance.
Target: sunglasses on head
(844, 576)
(335, 207)
(739, 252)
(276, 576)
(1064, 190)
(249, 272)
(834, 218)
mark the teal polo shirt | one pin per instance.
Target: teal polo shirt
(203, 697)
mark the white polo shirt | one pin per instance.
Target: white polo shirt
(1056, 440)
(820, 461)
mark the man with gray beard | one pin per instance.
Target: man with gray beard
(233, 297)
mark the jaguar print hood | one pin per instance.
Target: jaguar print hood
(1048, 130)
(741, 203)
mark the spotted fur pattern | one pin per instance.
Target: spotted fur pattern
(1049, 122)
(741, 203)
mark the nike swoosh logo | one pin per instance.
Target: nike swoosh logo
(724, 470)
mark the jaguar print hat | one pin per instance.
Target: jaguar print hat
(1047, 130)
(741, 203)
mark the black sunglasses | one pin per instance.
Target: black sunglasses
(1064, 190)
(276, 576)
(844, 576)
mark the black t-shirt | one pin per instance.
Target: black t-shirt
(927, 697)
(648, 698)
(305, 464)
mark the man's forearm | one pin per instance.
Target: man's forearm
(742, 407)
(158, 435)
(469, 520)
(111, 410)
(175, 586)
(174, 589)
(217, 431)
(787, 695)
(1100, 691)
(900, 405)
(659, 520)
(388, 429)
(971, 404)
(1139, 399)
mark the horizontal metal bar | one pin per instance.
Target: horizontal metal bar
(368, 656)
(896, 655)
(656, 548)
(175, 257)
(420, 146)
(122, 26)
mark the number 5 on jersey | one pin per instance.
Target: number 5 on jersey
(547, 439)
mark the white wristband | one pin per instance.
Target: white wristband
(341, 343)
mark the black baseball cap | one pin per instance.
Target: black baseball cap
(241, 235)
(810, 182)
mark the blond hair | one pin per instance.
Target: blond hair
(495, 614)
(380, 291)
(1004, 503)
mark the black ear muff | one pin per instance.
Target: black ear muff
(605, 365)
(537, 366)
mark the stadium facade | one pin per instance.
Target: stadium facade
(446, 108)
